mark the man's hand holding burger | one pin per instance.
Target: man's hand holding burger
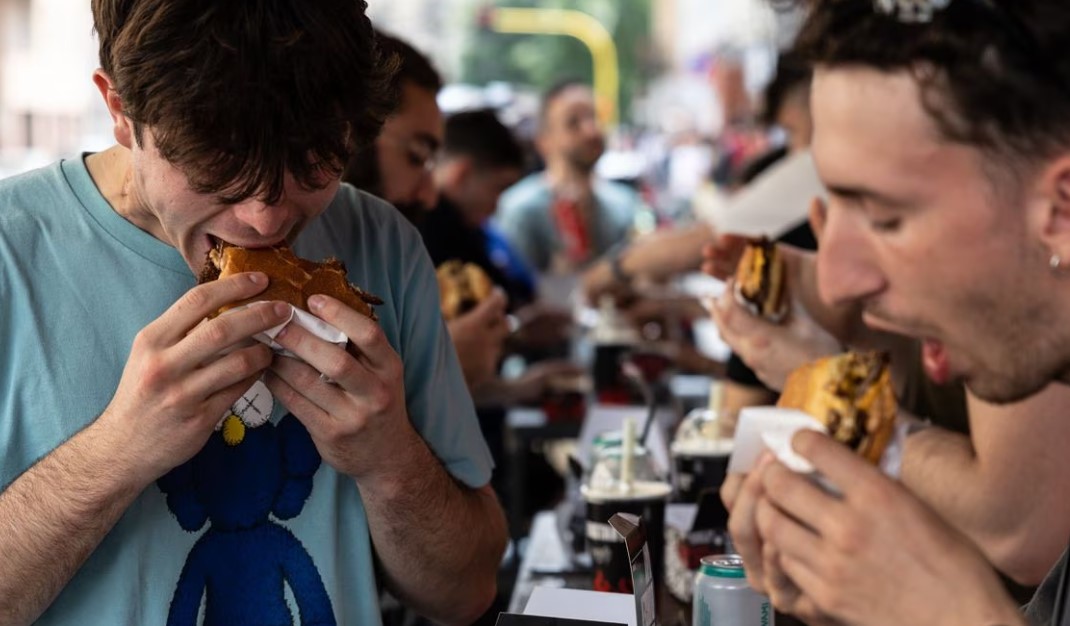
(771, 350)
(184, 372)
(351, 400)
(830, 559)
(479, 338)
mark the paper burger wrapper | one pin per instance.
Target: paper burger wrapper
(772, 428)
(305, 320)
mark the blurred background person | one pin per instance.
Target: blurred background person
(399, 167)
(564, 217)
(480, 159)
(473, 157)
(770, 193)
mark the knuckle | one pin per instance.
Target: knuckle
(368, 336)
(154, 371)
(379, 396)
(217, 331)
(339, 365)
(143, 339)
(197, 298)
(172, 399)
(249, 361)
(848, 536)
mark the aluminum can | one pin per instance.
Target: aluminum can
(722, 596)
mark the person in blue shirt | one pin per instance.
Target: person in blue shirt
(157, 466)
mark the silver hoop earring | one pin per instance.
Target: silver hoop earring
(1055, 262)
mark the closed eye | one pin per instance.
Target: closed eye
(887, 225)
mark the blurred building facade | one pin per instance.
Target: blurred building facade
(48, 104)
(49, 107)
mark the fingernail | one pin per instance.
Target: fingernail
(258, 278)
(282, 333)
(281, 309)
(315, 303)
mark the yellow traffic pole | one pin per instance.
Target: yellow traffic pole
(572, 24)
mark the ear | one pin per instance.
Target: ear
(122, 126)
(451, 172)
(1052, 206)
(463, 170)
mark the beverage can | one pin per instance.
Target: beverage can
(722, 596)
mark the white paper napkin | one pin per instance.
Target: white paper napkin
(772, 428)
(305, 320)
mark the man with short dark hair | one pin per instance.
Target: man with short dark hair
(335, 473)
(480, 159)
(563, 218)
(942, 132)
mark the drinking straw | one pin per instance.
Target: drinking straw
(627, 454)
(716, 396)
(715, 405)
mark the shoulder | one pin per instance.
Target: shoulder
(527, 195)
(356, 221)
(617, 200)
(617, 194)
(31, 198)
(29, 190)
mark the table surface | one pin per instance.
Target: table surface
(546, 562)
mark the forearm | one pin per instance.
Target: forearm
(52, 518)
(657, 256)
(1007, 516)
(664, 254)
(439, 543)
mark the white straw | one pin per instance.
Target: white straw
(627, 454)
(716, 397)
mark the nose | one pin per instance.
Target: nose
(847, 269)
(426, 191)
(267, 220)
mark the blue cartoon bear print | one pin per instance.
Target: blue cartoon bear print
(243, 560)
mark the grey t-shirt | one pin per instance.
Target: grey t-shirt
(1042, 606)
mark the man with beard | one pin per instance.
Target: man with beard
(563, 218)
(399, 167)
(942, 131)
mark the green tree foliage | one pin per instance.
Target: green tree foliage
(539, 61)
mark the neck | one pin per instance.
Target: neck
(113, 174)
(562, 175)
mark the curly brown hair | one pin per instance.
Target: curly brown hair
(238, 95)
(993, 72)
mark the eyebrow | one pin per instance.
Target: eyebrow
(864, 193)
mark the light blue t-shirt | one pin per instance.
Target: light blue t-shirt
(259, 533)
(525, 218)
